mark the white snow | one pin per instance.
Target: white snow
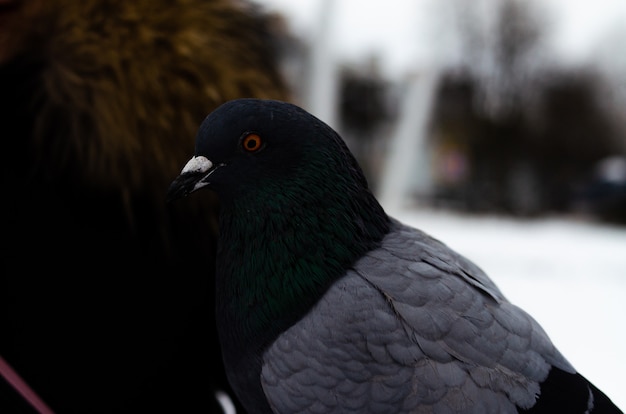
(569, 274)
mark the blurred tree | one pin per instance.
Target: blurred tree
(528, 131)
(366, 106)
(532, 159)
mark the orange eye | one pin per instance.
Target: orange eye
(251, 142)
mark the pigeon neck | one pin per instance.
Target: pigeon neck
(277, 259)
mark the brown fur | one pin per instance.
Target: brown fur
(124, 75)
(106, 291)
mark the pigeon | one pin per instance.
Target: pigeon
(327, 304)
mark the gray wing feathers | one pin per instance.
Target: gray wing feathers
(439, 256)
(414, 324)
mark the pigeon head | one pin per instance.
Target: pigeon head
(249, 146)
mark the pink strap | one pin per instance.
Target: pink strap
(22, 387)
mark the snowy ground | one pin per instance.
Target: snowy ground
(570, 275)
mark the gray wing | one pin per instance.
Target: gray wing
(414, 327)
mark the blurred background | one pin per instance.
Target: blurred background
(498, 106)
(498, 126)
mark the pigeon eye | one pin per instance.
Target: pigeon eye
(251, 142)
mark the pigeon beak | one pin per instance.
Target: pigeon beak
(193, 177)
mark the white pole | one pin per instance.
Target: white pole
(407, 167)
(321, 91)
